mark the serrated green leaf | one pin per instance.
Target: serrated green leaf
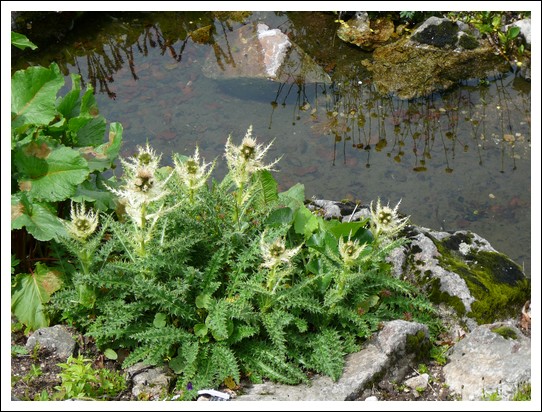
(203, 300)
(267, 186)
(30, 292)
(21, 41)
(33, 95)
(50, 174)
(39, 219)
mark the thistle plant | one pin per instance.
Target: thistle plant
(141, 193)
(386, 222)
(80, 228)
(193, 174)
(276, 255)
(276, 293)
(243, 161)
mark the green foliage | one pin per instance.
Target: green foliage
(21, 41)
(490, 24)
(230, 279)
(18, 350)
(29, 292)
(57, 154)
(523, 392)
(81, 381)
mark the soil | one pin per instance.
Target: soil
(27, 386)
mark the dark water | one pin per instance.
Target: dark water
(456, 160)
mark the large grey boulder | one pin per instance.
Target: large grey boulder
(56, 339)
(491, 361)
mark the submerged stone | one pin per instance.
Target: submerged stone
(410, 70)
(256, 52)
(366, 33)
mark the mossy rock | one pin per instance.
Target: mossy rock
(463, 271)
(408, 70)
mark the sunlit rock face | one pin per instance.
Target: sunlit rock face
(256, 52)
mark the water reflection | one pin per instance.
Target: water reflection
(459, 160)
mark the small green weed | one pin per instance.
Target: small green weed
(81, 381)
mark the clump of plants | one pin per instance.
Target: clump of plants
(222, 280)
(58, 155)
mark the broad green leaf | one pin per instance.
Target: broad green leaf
(33, 95)
(294, 197)
(103, 156)
(88, 192)
(39, 219)
(200, 329)
(30, 292)
(513, 32)
(21, 41)
(345, 229)
(305, 223)
(90, 131)
(279, 217)
(110, 354)
(68, 105)
(50, 174)
(159, 320)
(368, 303)
(89, 107)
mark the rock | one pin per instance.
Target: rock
(436, 31)
(492, 359)
(435, 57)
(149, 383)
(462, 271)
(419, 382)
(366, 33)
(391, 353)
(257, 52)
(55, 339)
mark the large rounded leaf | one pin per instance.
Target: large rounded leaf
(33, 95)
(50, 174)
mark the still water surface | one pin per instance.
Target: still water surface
(456, 160)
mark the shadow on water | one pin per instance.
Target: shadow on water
(458, 159)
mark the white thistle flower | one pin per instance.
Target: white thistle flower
(83, 223)
(386, 221)
(275, 253)
(191, 172)
(141, 186)
(350, 250)
(247, 158)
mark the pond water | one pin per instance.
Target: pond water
(456, 160)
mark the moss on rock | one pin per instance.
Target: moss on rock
(497, 284)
